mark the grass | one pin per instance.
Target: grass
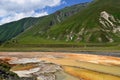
(34, 38)
(89, 20)
(10, 30)
(59, 48)
(49, 26)
(41, 44)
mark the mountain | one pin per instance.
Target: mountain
(10, 30)
(97, 22)
(33, 26)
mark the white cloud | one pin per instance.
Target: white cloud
(17, 16)
(11, 10)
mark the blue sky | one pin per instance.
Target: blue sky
(12, 10)
(65, 3)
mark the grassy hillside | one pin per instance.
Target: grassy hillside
(10, 30)
(28, 28)
(90, 25)
(99, 22)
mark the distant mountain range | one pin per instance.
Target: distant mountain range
(95, 22)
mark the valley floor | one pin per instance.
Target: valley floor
(107, 51)
(63, 65)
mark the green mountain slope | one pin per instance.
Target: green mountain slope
(29, 27)
(99, 22)
(10, 30)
